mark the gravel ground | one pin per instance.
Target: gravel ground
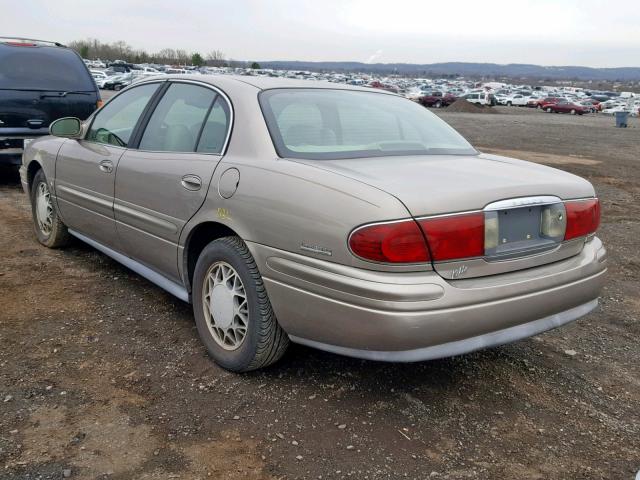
(102, 374)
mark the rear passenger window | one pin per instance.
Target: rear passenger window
(176, 122)
(215, 128)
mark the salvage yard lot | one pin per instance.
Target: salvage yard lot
(102, 374)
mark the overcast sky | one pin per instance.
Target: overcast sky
(548, 32)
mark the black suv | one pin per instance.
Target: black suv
(39, 82)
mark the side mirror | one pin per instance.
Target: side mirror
(68, 127)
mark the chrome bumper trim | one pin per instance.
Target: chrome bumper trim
(459, 347)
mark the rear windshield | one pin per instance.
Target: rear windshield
(323, 124)
(43, 68)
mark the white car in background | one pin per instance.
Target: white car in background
(517, 100)
(501, 99)
(480, 98)
(100, 77)
(621, 108)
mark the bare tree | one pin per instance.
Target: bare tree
(94, 49)
(167, 55)
(216, 58)
(183, 56)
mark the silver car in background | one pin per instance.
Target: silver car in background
(343, 218)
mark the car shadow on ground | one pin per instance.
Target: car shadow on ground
(9, 176)
(301, 362)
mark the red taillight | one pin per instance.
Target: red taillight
(583, 218)
(455, 236)
(396, 242)
(452, 237)
(20, 44)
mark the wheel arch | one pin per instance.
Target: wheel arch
(198, 238)
(32, 169)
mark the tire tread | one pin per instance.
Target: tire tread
(272, 339)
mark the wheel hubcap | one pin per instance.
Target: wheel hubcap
(226, 310)
(44, 208)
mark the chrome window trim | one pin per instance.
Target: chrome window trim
(89, 121)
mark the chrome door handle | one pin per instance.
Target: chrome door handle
(191, 182)
(106, 166)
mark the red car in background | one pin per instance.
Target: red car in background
(383, 86)
(592, 104)
(437, 99)
(542, 102)
(565, 106)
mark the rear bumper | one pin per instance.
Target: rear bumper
(12, 155)
(421, 316)
(459, 347)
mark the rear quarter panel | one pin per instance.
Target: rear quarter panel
(285, 204)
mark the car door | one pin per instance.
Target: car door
(85, 169)
(163, 182)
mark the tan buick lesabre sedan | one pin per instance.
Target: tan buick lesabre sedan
(346, 219)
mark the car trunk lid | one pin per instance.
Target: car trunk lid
(445, 184)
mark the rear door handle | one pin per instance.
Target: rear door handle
(191, 182)
(106, 166)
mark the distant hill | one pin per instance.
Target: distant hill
(512, 70)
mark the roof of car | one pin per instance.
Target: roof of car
(266, 83)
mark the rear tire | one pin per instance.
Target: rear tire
(232, 310)
(438, 104)
(49, 228)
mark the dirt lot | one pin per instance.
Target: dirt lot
(102, 374)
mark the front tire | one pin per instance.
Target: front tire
(49, 228)
(232, 310)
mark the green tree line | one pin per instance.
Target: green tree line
(93, 49)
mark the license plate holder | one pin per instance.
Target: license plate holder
(515, 231)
